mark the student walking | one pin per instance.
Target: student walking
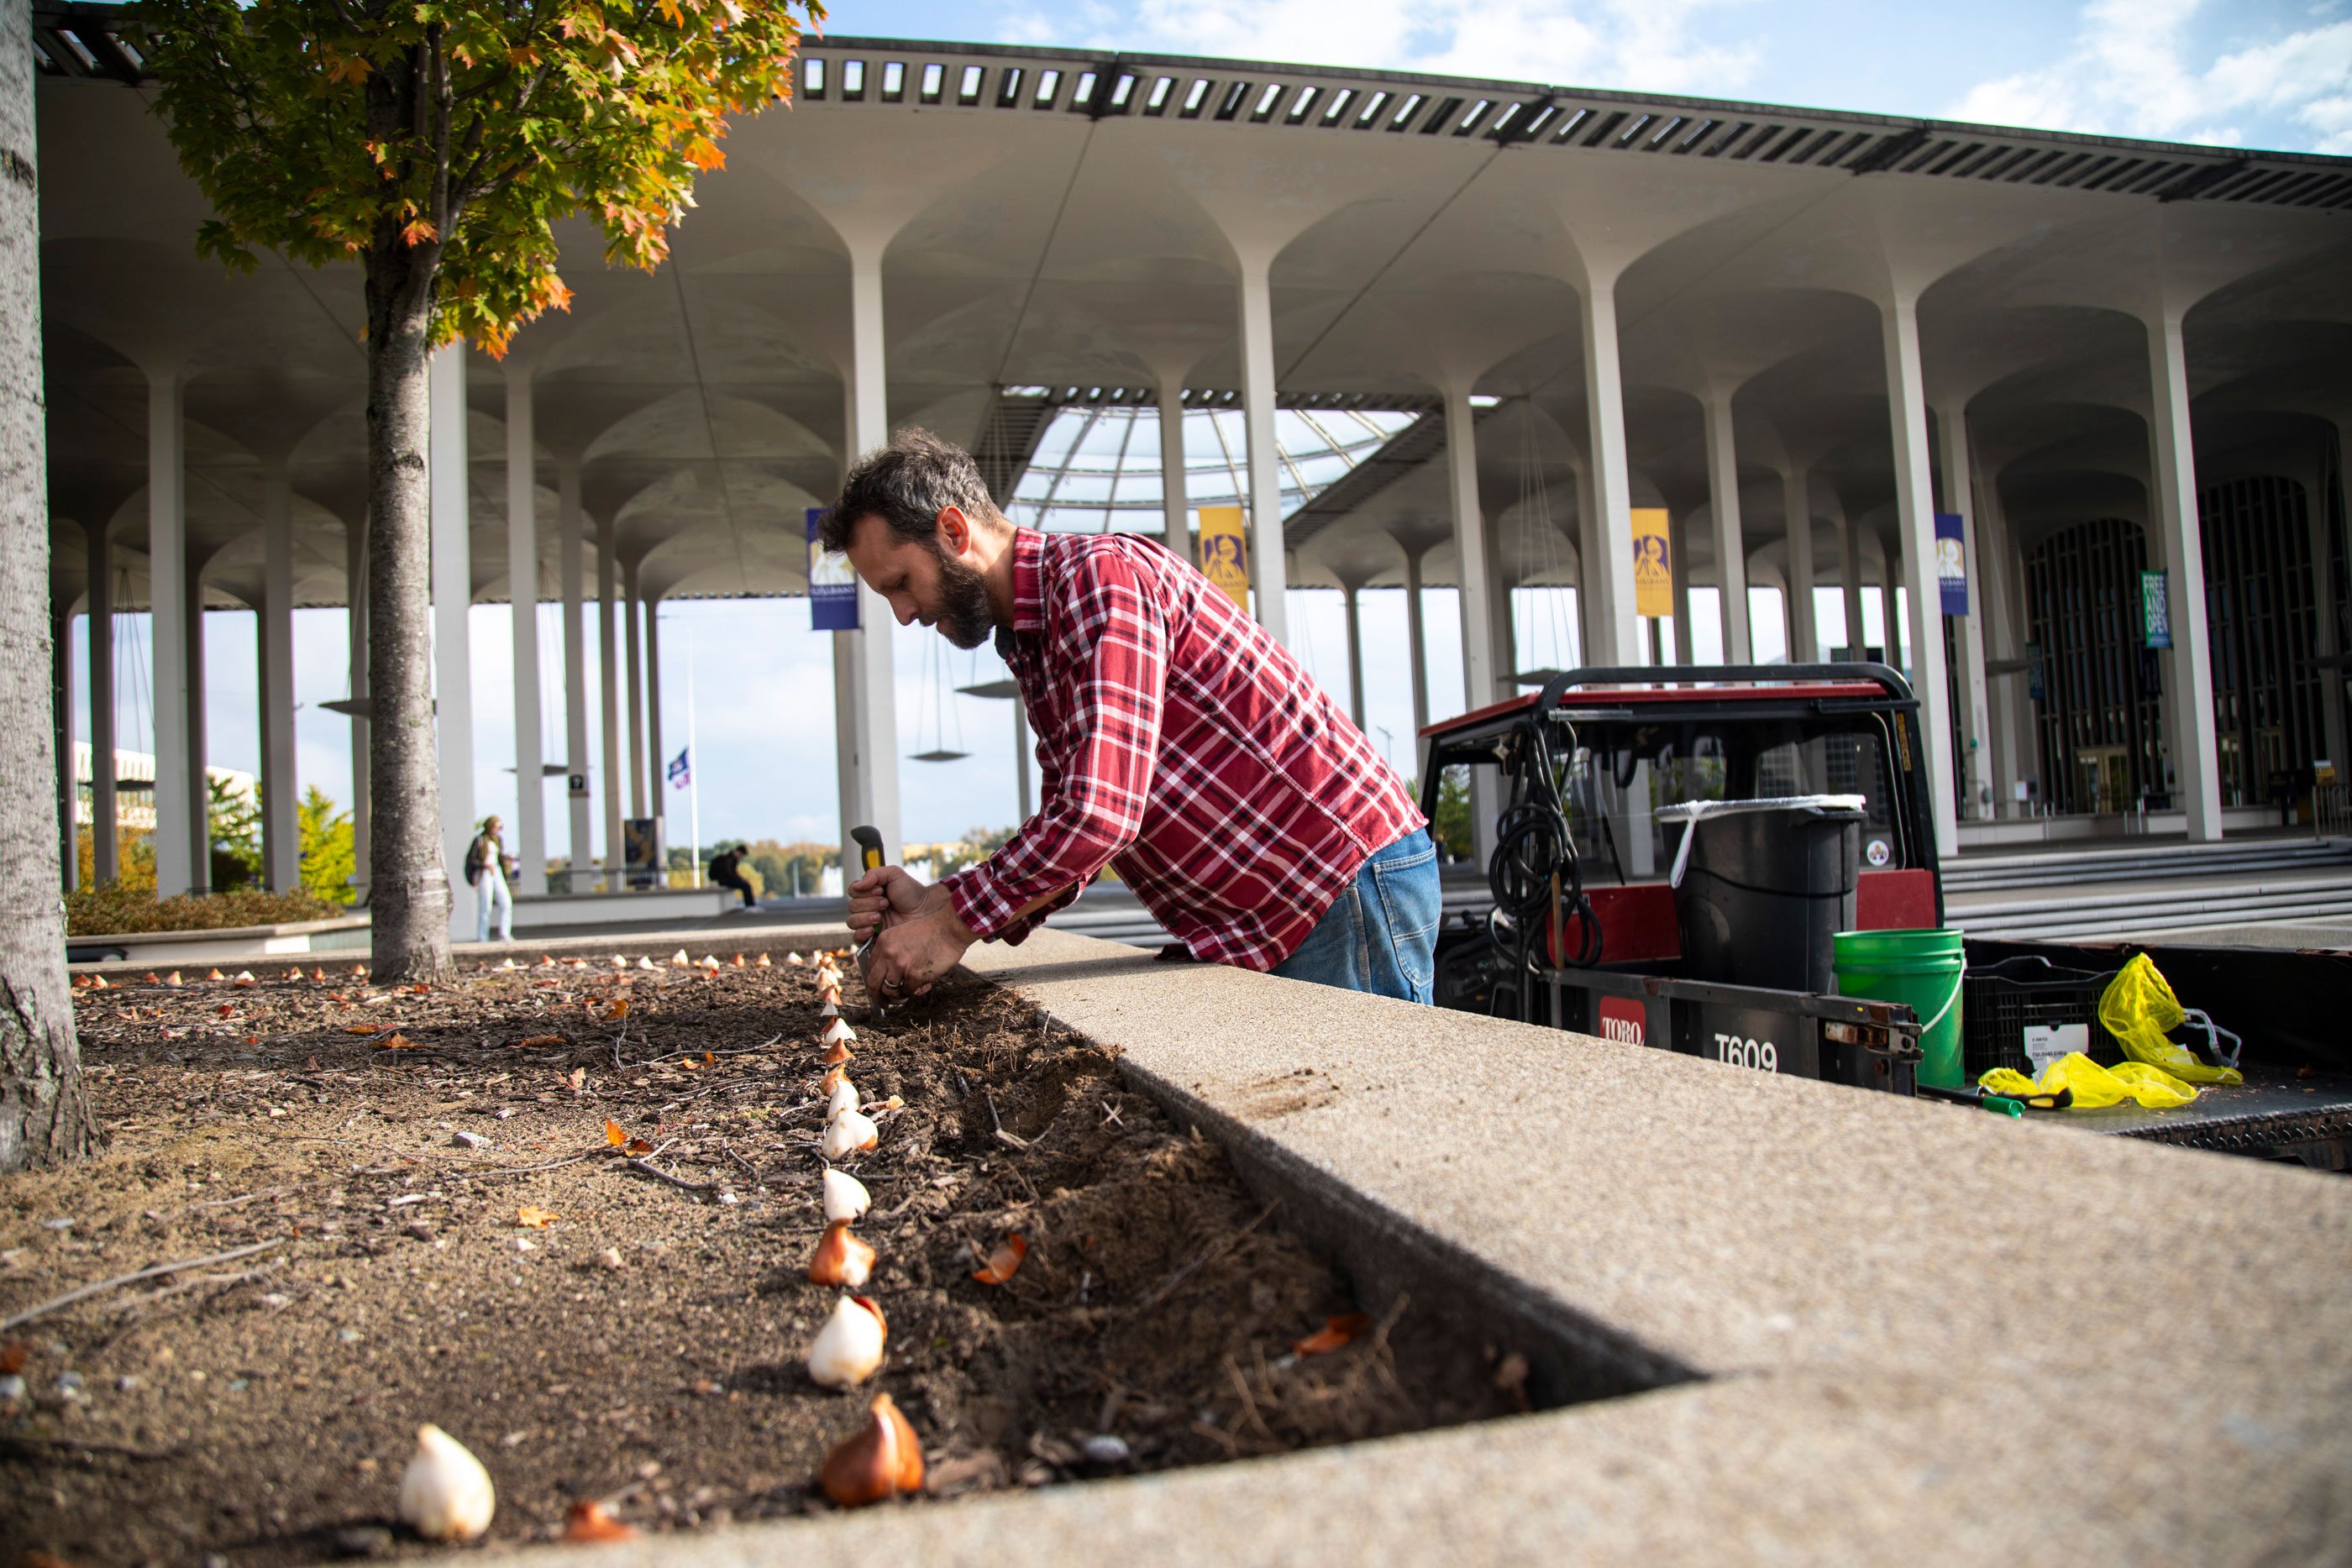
(488, 866)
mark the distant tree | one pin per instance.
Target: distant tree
(1451, 825)
(330, 856)
(783, 868)
(43, 1116)
(437, 142)
(232, 828)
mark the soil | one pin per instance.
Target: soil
(645, 1349)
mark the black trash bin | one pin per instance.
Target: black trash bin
(1763, 887)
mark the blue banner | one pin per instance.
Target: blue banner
(2156, 610)
(833, 584)
(682, 770)
(1952, 562)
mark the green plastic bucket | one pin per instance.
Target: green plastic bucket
(1921, 969)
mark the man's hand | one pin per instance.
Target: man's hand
(883, 898)
(916, 949)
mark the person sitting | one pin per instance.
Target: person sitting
(726, 871)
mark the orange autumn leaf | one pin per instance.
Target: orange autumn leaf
(1334, 1334)
(1005, 1261)
(619, 1009)
(400, 1042)
(359, 1028)
(531, 1217)
(593, 1522)
(613, 1134)
(539, 1040)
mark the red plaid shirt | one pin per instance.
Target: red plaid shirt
(1182, 744)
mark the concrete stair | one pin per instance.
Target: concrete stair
(2152, 862)
(2155, 888)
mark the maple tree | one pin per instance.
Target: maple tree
(436, 144)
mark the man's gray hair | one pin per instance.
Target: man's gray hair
(908, 484)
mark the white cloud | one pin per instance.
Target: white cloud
(2130, 73)
(1662, 46)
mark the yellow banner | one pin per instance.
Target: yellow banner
(1224, 560)
(1654, 567)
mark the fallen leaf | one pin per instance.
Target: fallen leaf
(534, 1216)
(619, 1009)
(1334, 1334)
(539, 1040)
(1003, 1262)
(613, 1134)
(13, 1355)
(359, 1028)
(593, 1522)
(400, 1042)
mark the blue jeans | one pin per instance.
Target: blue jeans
(1380, 935)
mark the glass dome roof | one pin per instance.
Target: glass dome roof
(1097, 468)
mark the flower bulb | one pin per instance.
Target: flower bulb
(445, 1495)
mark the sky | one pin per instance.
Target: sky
(2250, 74)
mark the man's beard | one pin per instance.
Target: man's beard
(964, 617)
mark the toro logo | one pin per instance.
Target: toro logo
(1622, 1019)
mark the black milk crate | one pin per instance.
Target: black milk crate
(2000, 1001)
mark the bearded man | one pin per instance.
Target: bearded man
(1179, 742)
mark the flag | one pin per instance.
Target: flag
(681, 774)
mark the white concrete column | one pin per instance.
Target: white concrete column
(581, 855)
(1471, 554)
(197, 802)
(522, 600)
(1976, 729)
(657, 787)
(869, 760)
(61, 706)
(451, 489)
(1914, 507)
(355, 630)
(1890, 613)
(103, 820)
(1677, 540)
(1269, 569)
(281, 837)
(1849, 582)
(1730, 540)
(1796, 506)
(176, 854)
(2178, 541)
(1174, 507)
(1618, 638)
(1355, 655)
(1023, 757)
(608, 629)
(2012, 745)
(1416, 643)
(633, 609)
(634, 628)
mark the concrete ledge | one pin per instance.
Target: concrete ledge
(343, 933)
(1903, 1331)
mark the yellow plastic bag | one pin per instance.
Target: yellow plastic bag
(2094, 1085)
(2139, 1009)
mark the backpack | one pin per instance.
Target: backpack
(476, 861)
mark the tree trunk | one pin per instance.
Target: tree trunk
(44, 1119)
(409, 886)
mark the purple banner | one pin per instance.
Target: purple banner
(833, 585)
(1951, 563)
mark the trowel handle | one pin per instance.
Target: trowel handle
(869, 846)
